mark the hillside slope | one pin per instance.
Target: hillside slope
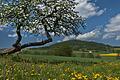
(80, 45)
(84, 45)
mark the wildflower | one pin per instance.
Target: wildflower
(95, 76)
(67, 69)
(117, 78)
(38, 74)
(0, 76)
(72, 73)
(32, 74)
(33, 70)
(47, 72)
(85, 77)
(33, 65)
(73, 78)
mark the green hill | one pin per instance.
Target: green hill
(78, 45)
(84, 45)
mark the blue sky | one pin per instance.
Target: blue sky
(103, 24)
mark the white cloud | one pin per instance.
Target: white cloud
(2, 27)
(86, 36)
(69, 37)
(12, 35)
(114, 24)
(112, 35)
(87, 9)
(118, 38)
(58, 41)
(112, 30)
(109, 36)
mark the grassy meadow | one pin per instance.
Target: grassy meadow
(43, 67)
(61, 63)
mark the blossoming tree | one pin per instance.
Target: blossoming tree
(52, 16)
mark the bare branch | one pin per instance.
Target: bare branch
(9, 51)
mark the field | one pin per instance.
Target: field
(42, 67)
(48, 64)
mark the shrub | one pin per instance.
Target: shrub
(83, 55)
(90, 55)
(61, 50)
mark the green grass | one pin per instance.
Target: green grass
(11, 70)
(49, 67)
(59, 59)
(38, 65)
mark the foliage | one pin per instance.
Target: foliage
(90, 55)
(61, 50)
(116, 50)
(83, 55)
(32, 15)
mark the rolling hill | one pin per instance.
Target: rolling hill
(82, 45)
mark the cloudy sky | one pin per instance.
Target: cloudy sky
(103, 24)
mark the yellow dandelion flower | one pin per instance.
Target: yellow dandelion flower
(32, 74)
(73, 78)
(33, 70)
(96, 75)
(85, 77)
(72, 73)
(117, 78)
(0, 76)
(38, 74)
(33, 65)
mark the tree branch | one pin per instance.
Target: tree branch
(9, 51)
(49, 38)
